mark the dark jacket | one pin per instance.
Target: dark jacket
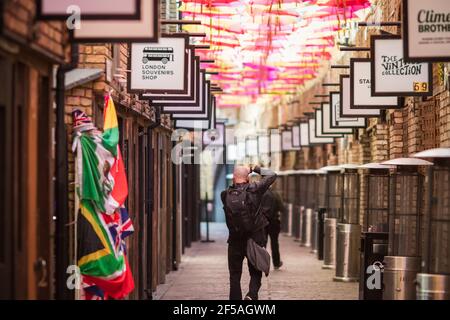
(256, 191)
(271, 206)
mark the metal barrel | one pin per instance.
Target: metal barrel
(289, 219)
(314, 232)
(306, 228)
(296, 223)
(348, 252)
(433, 286)
(399, 277)
(329, 243)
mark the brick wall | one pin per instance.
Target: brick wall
(19, 24)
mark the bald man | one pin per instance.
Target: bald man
(244, 224)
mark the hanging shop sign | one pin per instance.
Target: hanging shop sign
(159, 67)
(304, 134)
(264, 144)
(216, 136)
(296, 136)
(196, 107)
(313, 138)
(337, 121)
(89, 10)
(426, 30)
(191, 95)
(326, 122)
(360, 88)
(346, 110)
(145, 29)
(319, 126)
(195, 121)
(287, 141)
(275, 141)
(392, 75)
(206, 115)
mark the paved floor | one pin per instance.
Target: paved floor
(203, 275)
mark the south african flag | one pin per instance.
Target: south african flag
(103, 222)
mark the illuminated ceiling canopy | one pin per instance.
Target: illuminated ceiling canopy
(265, 47)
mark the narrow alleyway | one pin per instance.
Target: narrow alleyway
(203, 274)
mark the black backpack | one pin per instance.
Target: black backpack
(240, 209)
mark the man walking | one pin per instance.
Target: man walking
(271, 206)
(241, 205)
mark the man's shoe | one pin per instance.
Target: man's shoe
(279, 266)
(247, 298)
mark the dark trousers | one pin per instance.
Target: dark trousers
(273, 231)
(236, 253)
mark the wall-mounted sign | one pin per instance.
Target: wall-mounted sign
(193, 124)
(326, 122)
(286, 141)
(319, 127)
(360, 88)
(275, 141)
(190, 97)
(346, 111)
(145, 29)
(313, 138)
(199, 105)
(89, 10)
(159, 67)
(304, 134)
(391, 75)
(206, 121)
(296, 136)
(426, 31)
(209, 110)
(216, 136)
(340, 122)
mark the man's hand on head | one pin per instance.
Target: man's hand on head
(257, 169)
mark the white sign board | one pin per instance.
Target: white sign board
(426, 30)
(313, 138)
(90, 9)
(198, 107)
(304, 134)
(342, 122)
(296, 136)
(159, 67)
(145, 29)
(319, 127)
(392, 75)
(360, 88)
(216, 136)
(188, 99)
(275, 141)
(326, 121)
(346, 111)
(286, 140)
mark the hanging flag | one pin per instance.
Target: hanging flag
(103, 222)
(110, 137)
